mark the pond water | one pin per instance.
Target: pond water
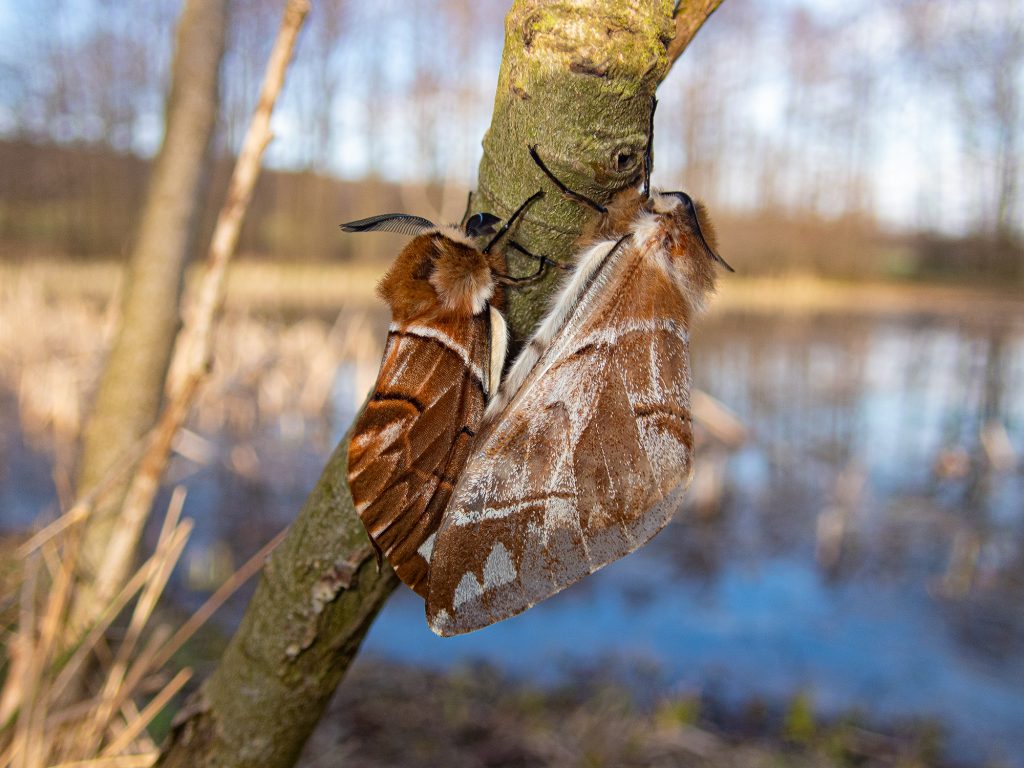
(863, 546)
(868, 549)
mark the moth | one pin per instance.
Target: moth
(586, 450)
(442, 360)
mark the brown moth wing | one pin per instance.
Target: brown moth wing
(413, 438)
(585, 464)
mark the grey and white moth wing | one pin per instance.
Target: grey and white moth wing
(584, 465)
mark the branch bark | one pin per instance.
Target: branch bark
(576, 78)
(316, 600)
(130, 390)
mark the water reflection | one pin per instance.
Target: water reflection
(867, 547)
(864, 544)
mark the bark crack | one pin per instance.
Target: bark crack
(341, 576)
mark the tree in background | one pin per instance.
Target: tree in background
(973, 53)
(841, 125)
(131, 388)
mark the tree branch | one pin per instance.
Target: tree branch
(690, 17)
(129, 396)
(316, 599)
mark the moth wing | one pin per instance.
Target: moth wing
(413, 437)
(586, 463)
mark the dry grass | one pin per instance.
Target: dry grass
(56, 321)
(808, 294)
(50, 356)
(268, 376)
(54, 329)
(46, 720)
(273, 285)
(47, 717)
(266, 373)
(51, 353)
(88, 700)
(251, 284)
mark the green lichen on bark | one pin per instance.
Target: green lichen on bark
(577, 81)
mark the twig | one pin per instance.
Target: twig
(689, 18)
(84, 505)
(122, 761)
(721, 422)
(31, 670)
(152, 710)
(169, 548)
(216, 600)
(111, 612)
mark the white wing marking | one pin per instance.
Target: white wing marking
(499, 348)
(499, 568)
(469, 588)
(428, 332)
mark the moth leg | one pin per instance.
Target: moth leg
(544, 260)
(564, 189)
(516, 282)
(649, 149)
(542, 263)
(512, 219)
(465, 213)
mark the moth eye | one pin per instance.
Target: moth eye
(623, 160)
(481, 224)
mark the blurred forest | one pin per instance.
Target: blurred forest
(860, 139)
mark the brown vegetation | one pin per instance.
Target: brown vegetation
(390, 715)
(71, 189)
(75, 204)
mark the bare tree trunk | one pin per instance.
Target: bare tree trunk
(194, 345)
(131, 388)
(577, 79)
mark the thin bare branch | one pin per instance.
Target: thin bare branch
(143, 760)
(80, 510)
(689, 18)
(152, 710)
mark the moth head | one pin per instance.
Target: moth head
(461, 275)
(440, 271)
(481, 224)
(688, 238)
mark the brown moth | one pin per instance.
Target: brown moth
(443, 358)
(585, 452)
